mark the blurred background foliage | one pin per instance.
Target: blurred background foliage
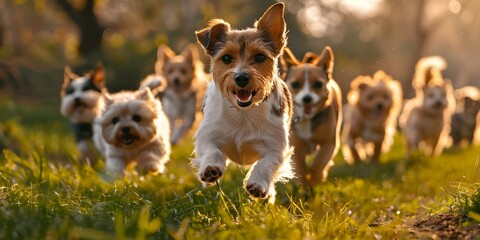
(39, 37)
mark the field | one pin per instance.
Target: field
(46, 193)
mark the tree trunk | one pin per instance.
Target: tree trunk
(91, 32)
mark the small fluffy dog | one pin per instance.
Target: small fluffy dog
(317, 116)
(426, 118)
(247, 107)
(133, 128)
(371, 114)
(81, 103)
(186, 84)
(464, 120)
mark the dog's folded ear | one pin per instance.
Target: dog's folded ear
(325, 60)
(288, 60)
(272, 23)
(98, 75)
(211, 36)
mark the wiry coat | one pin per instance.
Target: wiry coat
(247, 107)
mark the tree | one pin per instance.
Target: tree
(91, 32)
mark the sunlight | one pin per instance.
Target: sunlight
(361, 9)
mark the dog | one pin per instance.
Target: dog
(426, 118)
(81, 103)
(247, 107)
(371, 114)
(186, 83)
(133, 128)
(317, 118)
(464, 120)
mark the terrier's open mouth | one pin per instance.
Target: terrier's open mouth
(80, 105)
(244, 97)
(307, 109)
(128, 139)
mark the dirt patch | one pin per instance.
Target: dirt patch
(445, 226)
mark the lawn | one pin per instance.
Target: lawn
(46, 193)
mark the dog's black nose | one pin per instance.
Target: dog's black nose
(176, 81)
(307, 99)
(241, 80)
(77, 100)
(126, 130)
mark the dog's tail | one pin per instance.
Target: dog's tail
(428, 69)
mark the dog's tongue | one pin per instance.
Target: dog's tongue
(243, 95)
(307, 109)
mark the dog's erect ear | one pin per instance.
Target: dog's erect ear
(98, 75)
(325, 60)
(272, 24)
(68, 75)
(144, 94)
(190, 53)
(211, 37)
(164, 54)
(288, 60)
(107, 99)
(309, 57)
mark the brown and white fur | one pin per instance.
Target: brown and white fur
(317, 100)
(81, 103)
(186, 84)
(426, 118)
(247, 107)
(464, 120)
(133, 128)
(371, 114)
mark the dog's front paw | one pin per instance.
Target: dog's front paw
(257, 190)
(211, 174)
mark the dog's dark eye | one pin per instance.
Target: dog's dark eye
(259, 58)
(69, 91)
(318, 85)
(136, 118)
(295, 85)
(227, 59)
(115, 120)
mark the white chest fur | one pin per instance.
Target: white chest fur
(303, 129)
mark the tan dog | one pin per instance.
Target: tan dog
(186, 81)
(247, 106)
(426, 118)
(464, 120)
(317, 113)
(371, 114)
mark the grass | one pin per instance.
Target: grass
(46, 193)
